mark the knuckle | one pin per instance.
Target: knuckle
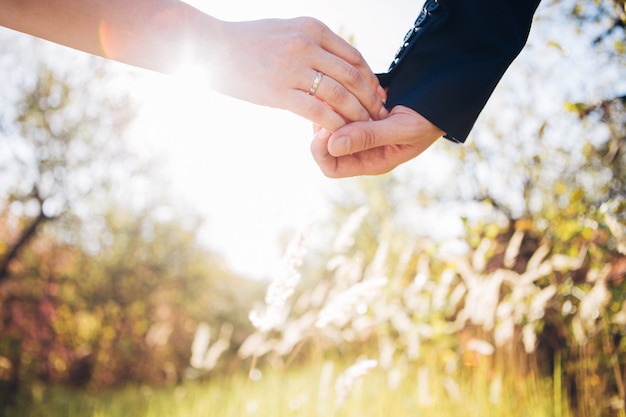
(316, 111)
(310, 24)
(340, 98)
(353, 75)
(375, 104)
(337, 93)
(362, 116)
(371, 102)
(298, 41)
(330, 170)
(355, 56)
(369, 139)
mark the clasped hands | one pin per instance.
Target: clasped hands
(375, 145)
(354, 133)
(297, 64)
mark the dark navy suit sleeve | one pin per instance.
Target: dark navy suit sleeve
(453, 58)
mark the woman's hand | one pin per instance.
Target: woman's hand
(274, 62)
(270, 62)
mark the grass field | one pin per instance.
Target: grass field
(306, 392)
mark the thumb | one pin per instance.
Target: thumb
(360, 136)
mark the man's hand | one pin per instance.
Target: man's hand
(373, 147)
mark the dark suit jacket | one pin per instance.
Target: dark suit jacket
(453, 58)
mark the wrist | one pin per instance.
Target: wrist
(211, 47)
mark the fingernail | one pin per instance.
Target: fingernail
(323, 134)
(383, 113)
(382, 93)
(339, 146)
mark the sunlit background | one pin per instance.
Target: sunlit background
(487, 279)
(249, 168)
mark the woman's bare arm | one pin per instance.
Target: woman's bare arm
(270, 62)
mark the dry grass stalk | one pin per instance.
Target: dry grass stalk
(513, 248)
(424, 396)
(617, 229)
(346, 381)
(323, 393)
(340, 309)
(480, 346)
(203, 356)
(282, 286)
(345, 238)
(482, 298)
(594, 302)
(200, 344)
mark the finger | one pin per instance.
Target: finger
(341, 48)
(362, 136)
(313, 109)
(353, 82)
(319, 151)
(371, 162)
(337, 46)
(340, 99)
(348, 67)
(407, 136)
(404, 126)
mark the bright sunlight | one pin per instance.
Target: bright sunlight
(211, 144)
(210, 147)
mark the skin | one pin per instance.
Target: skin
(373, 147)
(347, 92)
(268, 62)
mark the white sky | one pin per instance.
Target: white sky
(246, 167)
(249, 169)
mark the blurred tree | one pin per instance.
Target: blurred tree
(102, 277)
(548, 158)
(562, 181)
(70, 141)
(62, 144)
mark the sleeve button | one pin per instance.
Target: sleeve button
(409, 34)
(420, 19)
(432, 6)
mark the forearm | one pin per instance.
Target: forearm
(153, 34)
(270, 62)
